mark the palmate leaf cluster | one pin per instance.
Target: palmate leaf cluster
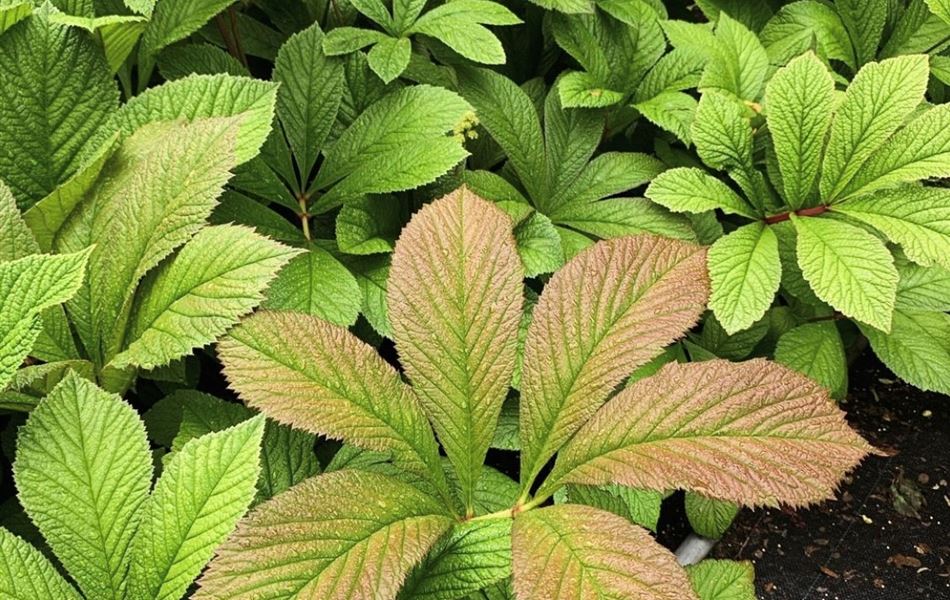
(626, 245)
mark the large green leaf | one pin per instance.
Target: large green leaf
(311, 88)
(55, 92)
(28, 286)
(216, 278)
(848, 268)
(745, 272)
(799, 100)
(319, 377)
(917, 218)
(722, 132)
(204, 489)
(455, 303)
(917, 348)
(83, 469)
(615, 306)
(751, 433)
(738, 64)
(307, 543)
(575, 552)
(26, 573)
(878, 100)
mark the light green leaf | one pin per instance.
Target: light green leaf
(672, 111)
(370, 225)
(865, 21)
(398, 143)
(390, 57)
(511, 118)
(688, 189)
(917, 348)
(722, 580)
(175, 20)
(204, 489)
(921, 150)
(317, 284)
(344, 40)
(473, 556)
(567, 6)
(28, 286)
(376, 11)
(460, 26)
(579, 89)
(799, 101)
(609, 174)
(83, 470)
(182, 60)
(709, 517)
(806, 24)
(117, 33)
(26, 573)
(926, 288)
(539, 245)
(14, 11)
(745, 272)
(293, 546)
(616, 217)
(640, 506)
(917, 218)
(878, 100)
(738, 64)
(455, 304)
(848, 268)
(199, 96)
(216, 278)
(721, 132)
(16, 239)
(311, 88)
(44, 125)
(815, 350)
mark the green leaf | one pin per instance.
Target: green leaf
(575, 552)
(216, 278)
(926, 288)
(807, 24)
(709, 517)
(722, 580)
(455, 304)
(941, 8)
(344, 40)
(55, 92)
(511, 118)
(317, 284)
(235, 207)
(773, 436)
(390, 57)
(567, 6)
(398, 143)
(182, 60)
(471, 557)
(609, 174)
(877, 102)
(579, 89)
(204, 489)
(721, 132)
(865, 21)
(370, 225)
(118, 34)
(175, 20)
(274, 360)
(616, 304)
(921, 150)
(199, 96)
(16, 239)
(745, 272)
(26, 573)
(14, 11)
(640, 506)
(672, 111)
(799, 100)
(28, 286)
(688, 189)
(738, 346)
(292, 545)
(539, 245)
(738, 64)
(311, 88)
(848, 268)
(815, 350)
(916, 349)
(460, 26)
(83, 470)
(616, 217)
(376, 11)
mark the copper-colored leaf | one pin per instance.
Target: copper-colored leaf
(576, 552)
(455, 304)
(316, 376)
(345, 535)
(751, 433)
(608, 311)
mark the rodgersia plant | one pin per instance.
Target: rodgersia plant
(400, 523)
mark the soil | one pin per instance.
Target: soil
(887, 536)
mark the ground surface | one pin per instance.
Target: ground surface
(887, 537)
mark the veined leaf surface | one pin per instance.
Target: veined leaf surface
(26, 573)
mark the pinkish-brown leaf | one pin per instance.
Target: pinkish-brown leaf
(752, 433)
(317, 376)
(345, 535)
(455, 303)
(608, 311)
(576, 552)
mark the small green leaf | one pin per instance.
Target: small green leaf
(460, 26)
(539, 245)
(816, 350)
(848, 268)
(722, 133)
(709, 517)
(688, 189)
(581, 90)
(390, 57)
(722, 580)
(317, 284)
(738, 64)
(745, 272)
